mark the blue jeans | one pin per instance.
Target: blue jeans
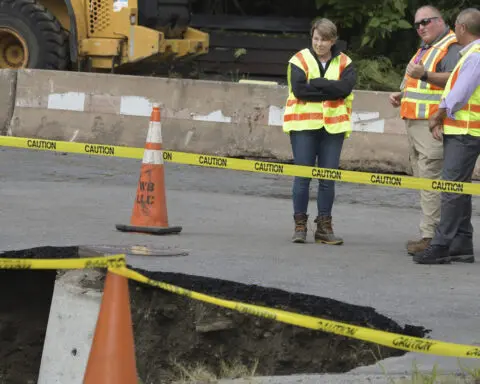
(308, 147)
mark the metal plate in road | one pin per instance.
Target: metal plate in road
(131, 250)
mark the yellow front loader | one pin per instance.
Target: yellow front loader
(90, 35)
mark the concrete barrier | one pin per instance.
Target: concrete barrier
(221, 118)
(71, 325)
(8, 80)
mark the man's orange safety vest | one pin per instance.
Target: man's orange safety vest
(421, 99)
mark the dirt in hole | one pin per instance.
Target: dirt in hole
(175, 333)
(24, 310)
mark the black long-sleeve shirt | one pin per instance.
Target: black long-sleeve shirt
(321, 89)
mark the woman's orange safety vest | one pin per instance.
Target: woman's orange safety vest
(334, 116)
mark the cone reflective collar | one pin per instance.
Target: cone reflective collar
(149, 214)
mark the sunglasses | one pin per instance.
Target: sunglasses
(424, 22)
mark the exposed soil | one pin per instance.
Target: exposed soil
(173, 334)
(25, 301)
(24, 309)
(172, 330)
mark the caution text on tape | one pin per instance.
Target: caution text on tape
(375, 179)
(388, 339)
(112, 261)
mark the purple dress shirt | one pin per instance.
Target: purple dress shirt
(467, 81)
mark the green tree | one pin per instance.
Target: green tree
(375, 19)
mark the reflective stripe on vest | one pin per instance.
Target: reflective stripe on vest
(467, 120)
(335, 115)
(421, 99)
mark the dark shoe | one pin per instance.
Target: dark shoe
(433, 254)
(324, 233)
(416, 246)
(300, 231)
(461, 250)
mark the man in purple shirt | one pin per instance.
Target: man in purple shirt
(453, 235)
(467, 81)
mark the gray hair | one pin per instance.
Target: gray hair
(435, 10)
(470, 17)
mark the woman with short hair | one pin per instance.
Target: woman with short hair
(318, 118)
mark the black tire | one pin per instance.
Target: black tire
(46, 40)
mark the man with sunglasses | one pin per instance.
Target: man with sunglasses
(457, 124)
(425, 79)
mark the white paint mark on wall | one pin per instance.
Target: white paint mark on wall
(258, 82)
(377, 126)
(29, 102)
(362, 121)
(75, 134)
(215, 116)
(359, 116)
(275, 115)
(188, 137)
(368, 122)
(139, 106)
(70, 101)
(135, 106)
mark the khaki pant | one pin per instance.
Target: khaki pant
(426, 159)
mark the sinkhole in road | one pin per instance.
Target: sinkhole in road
(179, 339)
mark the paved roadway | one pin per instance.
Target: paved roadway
(237, 226)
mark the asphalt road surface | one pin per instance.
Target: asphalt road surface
(237, 226)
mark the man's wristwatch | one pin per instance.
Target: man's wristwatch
(424, 76)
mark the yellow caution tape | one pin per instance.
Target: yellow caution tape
(388, 339)
(117, 264)
(112, 261)
(71, 147)
(375, 179)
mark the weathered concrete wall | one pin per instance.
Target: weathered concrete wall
(228, 119)
(221, 118)
(8, 80)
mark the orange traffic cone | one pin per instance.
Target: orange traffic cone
(112, 355)
(149, 213)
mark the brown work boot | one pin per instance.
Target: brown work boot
(300, 232)
(324, 233)
(416, 246)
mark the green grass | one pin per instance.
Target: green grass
(235, 370)
(435, 376)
